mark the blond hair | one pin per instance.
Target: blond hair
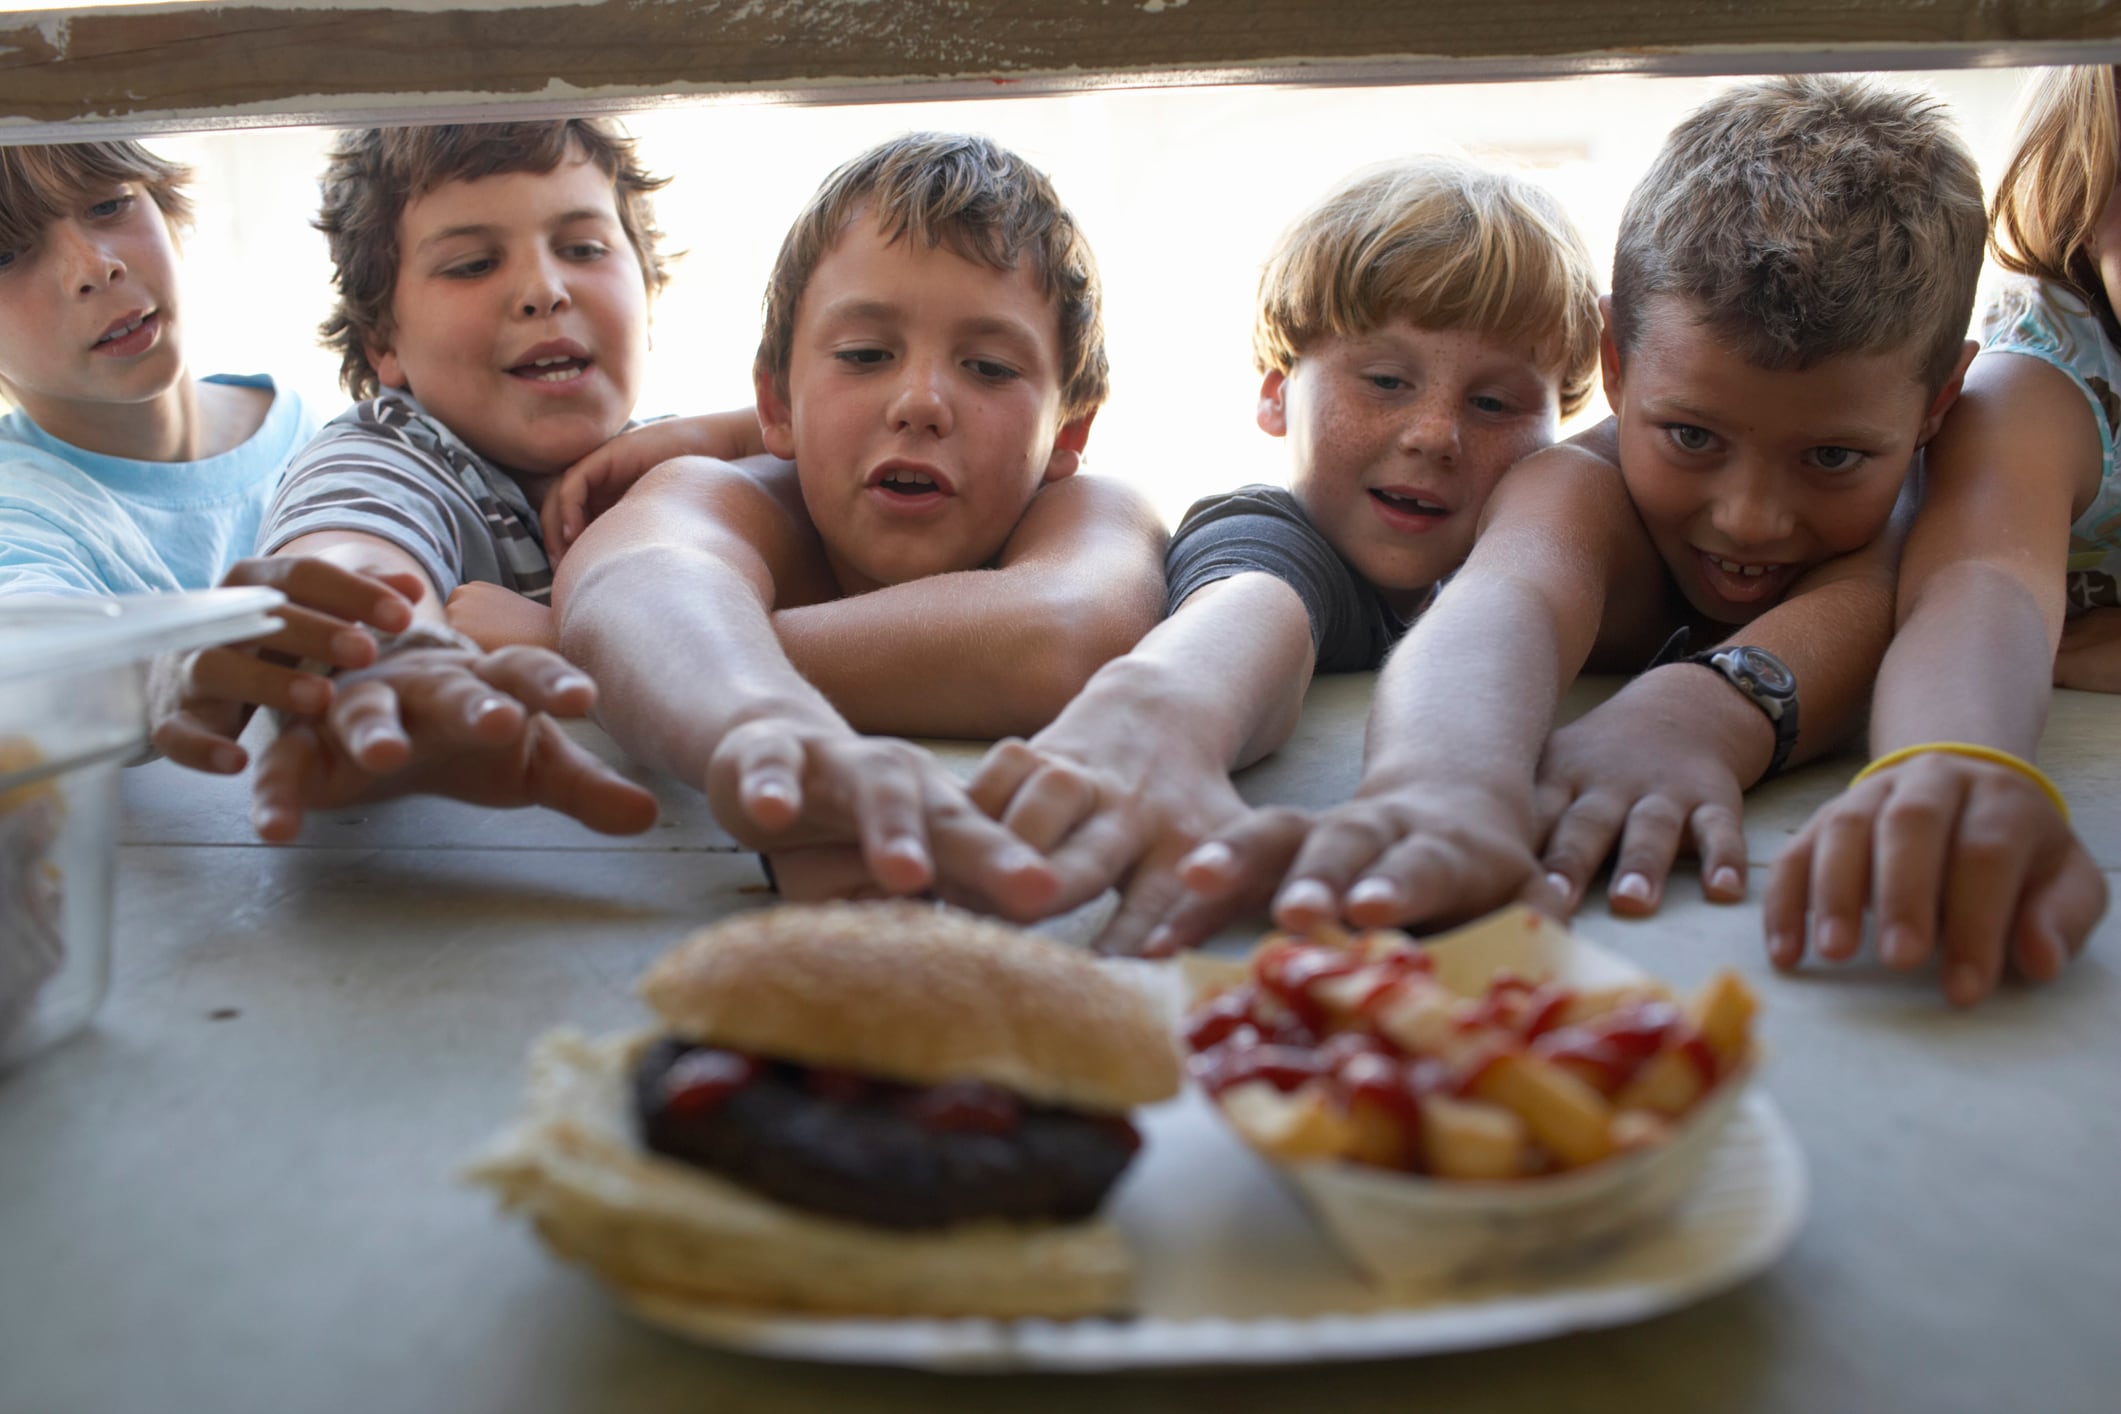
(973, 197)
(2058, 181)
(1807, 217)
(39, 184)
(373, 173)
(1444, 244)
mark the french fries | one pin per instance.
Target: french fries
(1349, 1047)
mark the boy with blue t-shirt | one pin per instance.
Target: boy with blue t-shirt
(120, 472)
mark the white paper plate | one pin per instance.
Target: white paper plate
(1233, 1271)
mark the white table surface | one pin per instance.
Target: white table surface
(236, 1191)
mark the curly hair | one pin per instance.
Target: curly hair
(373, 173)
(979, 200)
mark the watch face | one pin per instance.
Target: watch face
(1766, 669)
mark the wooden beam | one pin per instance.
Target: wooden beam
(120, 71)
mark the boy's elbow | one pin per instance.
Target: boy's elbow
(1075, 638)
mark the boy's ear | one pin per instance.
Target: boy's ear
(1273, 411)
(1947, 395)
(389, 372)
(1068, 444)
(1608, 353)
(776, 421)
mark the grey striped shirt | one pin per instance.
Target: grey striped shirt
(388, 469)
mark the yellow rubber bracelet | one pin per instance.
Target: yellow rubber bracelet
(1973, 751)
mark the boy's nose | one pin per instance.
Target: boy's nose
(1749, 509)
(1431, 429)
(544, 290)
(919, 404)
(89, 266)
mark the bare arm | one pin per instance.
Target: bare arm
(1442, 825)
(993, 652)
(667, 600)
(1955, 855)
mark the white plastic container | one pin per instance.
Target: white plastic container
(73, 710)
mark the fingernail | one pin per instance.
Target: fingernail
(1725, 881)
(1783, 949)
(1962, 983)
(1836, 940)
(486, 707)
(348, 644)
(1635, 888)
(1373, 890)
(1561, 884)
(227, 760)
(573, 682)
(1899, 946)
(1158, 942)
(308, 694)
(1213, 857)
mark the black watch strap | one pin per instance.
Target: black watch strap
(1765, 681)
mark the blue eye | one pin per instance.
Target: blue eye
(105, 209)
(1386, 382)
(1488, 403)
(1837, 458)
(988, 368)
(1689, 438)
(861, 358)
(8, 257)
(469, 269)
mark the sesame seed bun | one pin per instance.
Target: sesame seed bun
(913, 993)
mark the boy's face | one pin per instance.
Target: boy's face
(88, 313)
(1397, 436)
(520, 314)
(923, 406)
(1747, 477)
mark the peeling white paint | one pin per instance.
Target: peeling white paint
(1157, 7)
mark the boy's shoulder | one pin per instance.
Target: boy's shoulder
(1271, 503)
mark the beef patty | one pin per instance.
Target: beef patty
(875, 1151)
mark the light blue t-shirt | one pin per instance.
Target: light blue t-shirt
(79, 522)
(2045, 321)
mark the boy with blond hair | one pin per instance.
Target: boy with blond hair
(932, 357)
(1792, 286)
(494, 282)
(1428, 324)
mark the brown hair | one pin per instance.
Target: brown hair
(1807, 217)
(2058, 181)
(372, 173)
(1445, 244)
(41, 183)
(980, 201)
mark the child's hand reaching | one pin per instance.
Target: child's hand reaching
(781, 784)
(1397, 855)
(1115, 826)
(447, 721)
(594, 484)
(1629, 775)
(1958, 857)
(202, 700)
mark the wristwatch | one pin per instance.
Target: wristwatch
(1767, 683)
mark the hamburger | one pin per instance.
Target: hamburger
(849, 1108)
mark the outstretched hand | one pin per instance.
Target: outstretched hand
(1104, 828)
(1607, 782)
(781, 785)
(202, 700)
(444, 721)
(1958, 859)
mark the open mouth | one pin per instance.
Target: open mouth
(909, 484)
(1744, 581)
(129, 334)
(562, 368)
(1407, 510)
